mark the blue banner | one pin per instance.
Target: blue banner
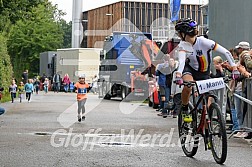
(175, 8)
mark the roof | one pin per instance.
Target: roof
(191, 2)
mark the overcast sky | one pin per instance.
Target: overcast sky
(66, 5)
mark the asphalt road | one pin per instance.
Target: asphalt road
(45, 132)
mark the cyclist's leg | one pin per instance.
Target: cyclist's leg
(186, 92)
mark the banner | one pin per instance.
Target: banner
(175, 8)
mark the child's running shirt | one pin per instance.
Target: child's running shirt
(81, 90)
(29, 87)
(21, 89)
(13, 88)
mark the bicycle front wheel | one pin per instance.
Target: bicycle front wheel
(187, 134)
(218, 136)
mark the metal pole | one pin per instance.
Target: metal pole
(169, 10)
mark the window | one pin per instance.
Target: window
(143, 16)
(160, 13)
(126, 4)
(137, 17)
(199, 17)
(182, 11)
(127, 13)
(132, 5)
(132, 15)
(137, 4)
(149, 5)
(149, 16)
(188, 13)
(193, 12)
(160, 6)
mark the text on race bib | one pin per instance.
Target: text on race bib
(82, 90)
(210, 84)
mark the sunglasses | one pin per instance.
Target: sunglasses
(193, 24)
(81, 78)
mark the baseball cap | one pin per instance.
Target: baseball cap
(243, 45)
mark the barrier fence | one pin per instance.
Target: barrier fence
(247, 92)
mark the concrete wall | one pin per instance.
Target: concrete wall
(230, 22)
(77, 61)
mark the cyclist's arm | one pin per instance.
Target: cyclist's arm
(182, 60)
(224, 51)
(220, 49)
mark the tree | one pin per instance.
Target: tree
(36, 33)
(67, 29)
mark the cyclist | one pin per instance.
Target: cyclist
(195, 58)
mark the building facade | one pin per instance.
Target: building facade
(128, 16)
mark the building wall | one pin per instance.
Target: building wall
(230, 21)
(46, 63)
(132, 17)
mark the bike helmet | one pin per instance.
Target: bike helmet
(82, 76)
(186, 26)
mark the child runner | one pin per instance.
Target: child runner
(29, 90)
(36, 84)
(46, 84)
(21, 91)
(81, 88)
(13, 90)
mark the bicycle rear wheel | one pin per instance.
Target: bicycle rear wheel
(218, 136)
(187, 134)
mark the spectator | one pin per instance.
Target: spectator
(94, 84)
(66, 82)
(21, 91)
(29, 89)
(13, 90)
(56, 83)
(81, 90)
(43, 77)
(71, 86)
(162, 71)
(25, 76)
(244, 56)
(246, 61)
(176, 91)
(217, 62)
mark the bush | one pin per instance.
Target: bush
(5, 68)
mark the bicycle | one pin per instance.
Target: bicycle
(208, 122)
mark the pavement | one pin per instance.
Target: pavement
(45, 132)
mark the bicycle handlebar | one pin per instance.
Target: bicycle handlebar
(192, 83)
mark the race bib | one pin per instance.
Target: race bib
(82, 90)
(210, 84)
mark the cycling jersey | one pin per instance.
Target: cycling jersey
(199, 54)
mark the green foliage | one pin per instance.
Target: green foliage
(5, 67)
(36, 33)
(67, 29)
(32, 27)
